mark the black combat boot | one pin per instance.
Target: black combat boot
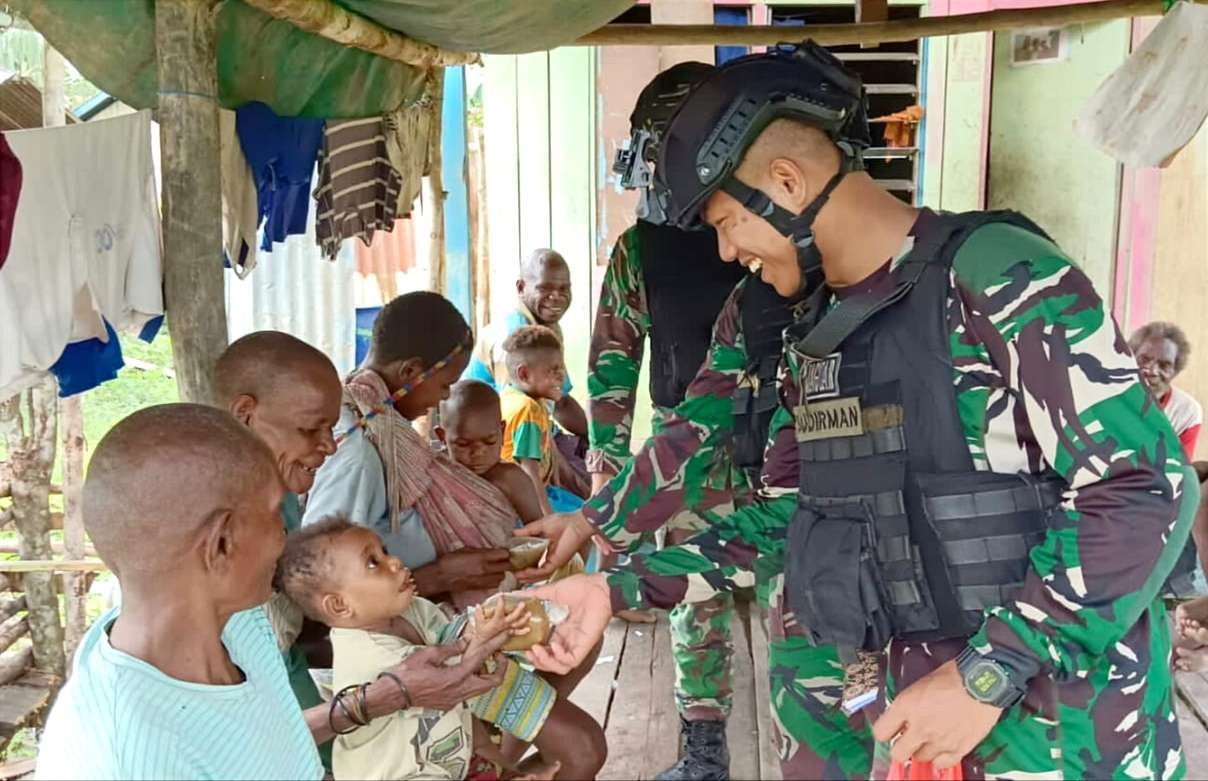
(705, 756)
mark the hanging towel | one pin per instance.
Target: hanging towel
(240, 209)
(85, 246)
(281, 152)
(407, 131)
(1152, 105)
(10, 191)
(358, 187)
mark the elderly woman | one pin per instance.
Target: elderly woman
(1161, 350)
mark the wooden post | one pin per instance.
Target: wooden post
(27, 422)
(674, 12)
(479, 239)
(192, 220)
(436, 191)
(71, 412)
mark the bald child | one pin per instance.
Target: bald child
(472, 431)
(184, 679)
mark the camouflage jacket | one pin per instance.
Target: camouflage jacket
(618, 341)
(689, 463)
(1043, 379)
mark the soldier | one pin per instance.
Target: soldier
(666, 285)
(985, 488)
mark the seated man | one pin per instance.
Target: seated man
(1161, 350)
(543, 297)
(184, 679)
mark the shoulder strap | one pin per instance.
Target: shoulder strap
(938, 246)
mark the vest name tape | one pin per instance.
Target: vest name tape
(820, 377)
(828, 419)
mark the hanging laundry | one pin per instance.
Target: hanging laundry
(407, 134)
(358, 187)
(1151, 106)
(10, 191)
(240, 210)
(85, 246)
(281, 152)
(85, 365)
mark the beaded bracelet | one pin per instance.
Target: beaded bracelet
(402, 688)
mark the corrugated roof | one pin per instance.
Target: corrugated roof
(21, 105)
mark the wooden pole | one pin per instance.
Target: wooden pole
(13, 666)
(71, 411)
(192, 220)
(436, 191)
(49, 565)
(872, 32)
(27, 422)
(328, 20)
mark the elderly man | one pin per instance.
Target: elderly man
(543, 296)
(184, 679)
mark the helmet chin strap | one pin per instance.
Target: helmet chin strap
(797, 228)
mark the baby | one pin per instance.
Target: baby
(340, 574)
(472, 431)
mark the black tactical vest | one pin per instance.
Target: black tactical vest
(765, 315)
(686, 286)
(896, 534)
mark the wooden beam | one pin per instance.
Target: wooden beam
(52, 565)
(11, 607)
(188, 140)
(12, 630)
(13, 666)
(328, 20)
(872, 11)
(871, 32)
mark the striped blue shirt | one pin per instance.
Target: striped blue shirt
(120, 718)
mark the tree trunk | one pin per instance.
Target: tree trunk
(71, 413)
(192, 220)
(27, 422)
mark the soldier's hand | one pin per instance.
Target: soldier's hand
(598, 481)
(566, 532)
(587, 599)
(935, 720)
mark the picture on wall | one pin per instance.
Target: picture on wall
(1038, 47)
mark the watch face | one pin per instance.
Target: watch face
(985, 681)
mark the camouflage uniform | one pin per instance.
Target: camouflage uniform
(1044, 380)
(688, 465)
(700, 633)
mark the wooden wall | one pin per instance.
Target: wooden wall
(542, 167)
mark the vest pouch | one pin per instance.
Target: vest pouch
(833, 583)
(977, 531)
(753, 411)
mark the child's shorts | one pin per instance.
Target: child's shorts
(519, 705)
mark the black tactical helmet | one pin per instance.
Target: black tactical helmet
(714, 126)
(654, 108)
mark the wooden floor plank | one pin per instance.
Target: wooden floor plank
(769, 763)
(628, 717)
(1195, 740)
(742, 728)
(662, 740)
(594, 692)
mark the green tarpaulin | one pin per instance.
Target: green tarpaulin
(112, 43)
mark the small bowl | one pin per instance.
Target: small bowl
(526, 552)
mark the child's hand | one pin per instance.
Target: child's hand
(491, 621)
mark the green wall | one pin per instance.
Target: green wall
(1038, 164)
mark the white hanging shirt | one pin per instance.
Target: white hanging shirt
(86, 242)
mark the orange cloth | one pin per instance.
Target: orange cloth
(900, 126)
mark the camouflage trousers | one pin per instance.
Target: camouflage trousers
(812, 735)
(702, 644)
